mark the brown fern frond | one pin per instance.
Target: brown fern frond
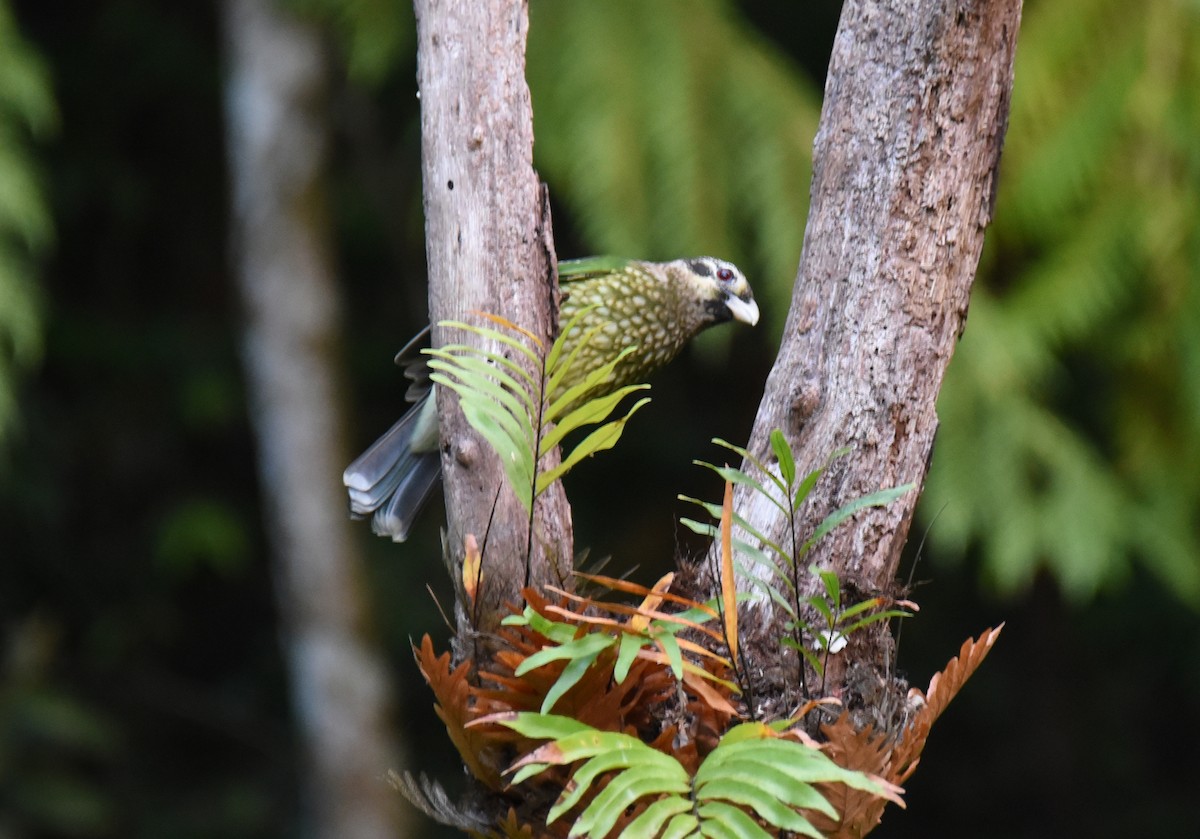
(511, 827)
(891, 757)
(729, 616)
(683, 717)
(705, 684)
(627, 587)
(942, 688)
(457, 704)
(945, 685)
(864, 750)
(641, 614)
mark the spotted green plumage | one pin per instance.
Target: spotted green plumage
(654, 307)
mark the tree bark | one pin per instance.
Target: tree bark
(339, 684)
(490, 249)
(904, 178)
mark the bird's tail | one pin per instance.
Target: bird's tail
(393, 478)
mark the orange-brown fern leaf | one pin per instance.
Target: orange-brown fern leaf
(628, 587)
(865, 751)
(640, 615)
(456, 706)
(729, 616)
(684, 749)
(629, 706)
(942, 688)
(520, 693)
(511, 827)
(945, 685)
(653, 599)
(596, 699)
(891, 758)
(636, 705)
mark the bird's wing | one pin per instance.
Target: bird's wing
(574, 270)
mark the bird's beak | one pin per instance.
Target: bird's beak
(744, 310)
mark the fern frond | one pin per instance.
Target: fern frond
(729, 614)
(516, 405)
(754, 776)
(583, 640)
(879, 498)
(27, 111)
(789, 498)
(603, 438)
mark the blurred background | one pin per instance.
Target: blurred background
(146, 683)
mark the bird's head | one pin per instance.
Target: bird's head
(722, 290)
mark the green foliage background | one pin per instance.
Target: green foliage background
(1071, 415)
(27, 111)
(142, 690)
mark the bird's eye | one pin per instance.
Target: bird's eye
(724, 275)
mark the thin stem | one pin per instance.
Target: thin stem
(747, 687)
(537, 446)
(830, 635)
(798, 634)
(487, 531)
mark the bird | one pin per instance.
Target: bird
(653, 307)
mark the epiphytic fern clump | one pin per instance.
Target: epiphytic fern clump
(603, 718)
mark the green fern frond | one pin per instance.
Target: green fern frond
(582, 652)
(526, 406)
(754, 777)
(27, 110)
(879, 498)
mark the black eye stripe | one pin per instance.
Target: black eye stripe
(701, 267)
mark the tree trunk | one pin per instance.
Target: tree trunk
(339, 684)
(904, 178)
(490, 249)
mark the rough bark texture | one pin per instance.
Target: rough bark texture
(339, 683)
(489, 248)
(905, 167)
